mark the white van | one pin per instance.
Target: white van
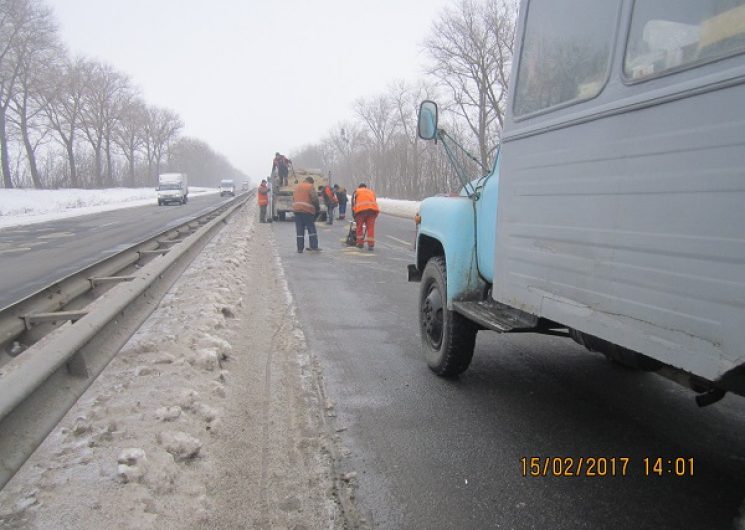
(227, 187)
(172, 187)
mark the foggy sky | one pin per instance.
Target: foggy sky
(254, 77)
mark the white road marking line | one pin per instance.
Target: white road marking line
(56, 235)
(407, 243)
(14, 250)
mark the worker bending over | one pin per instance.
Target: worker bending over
(365, 210)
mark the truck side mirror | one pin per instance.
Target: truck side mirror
(427, 125)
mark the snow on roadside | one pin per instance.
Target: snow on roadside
(29, 206)
(399, 208)
(204, 418)
(132, 450)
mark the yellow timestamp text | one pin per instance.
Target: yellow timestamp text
(605, 466)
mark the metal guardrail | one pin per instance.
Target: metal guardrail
(78, 324)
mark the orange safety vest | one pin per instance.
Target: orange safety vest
(330, 195)
(302, 198)
(364, 199)
(263, 195)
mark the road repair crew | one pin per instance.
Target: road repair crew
(282, 164)
(305, 206)
(365, 210)
(263, 196)
(329, 197)
(341, 196)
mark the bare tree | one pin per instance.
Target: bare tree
(501, 22)
(162, 127)
(406, 98)
(312, 156)
(19, 22)
(204, 166)
(37, 49)
(64, 110)
(104, 92)
(130, 133)
(343, 145)
(379, 115)
(471, 49)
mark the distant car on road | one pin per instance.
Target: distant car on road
(245, 185)
(227, 187)
(172, 187)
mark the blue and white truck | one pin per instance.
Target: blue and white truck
(614, 213)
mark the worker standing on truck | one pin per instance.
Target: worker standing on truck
(263, 195)
(365, 210)
(329, 197)
(341, 196)
(282, 165)
(305, 205)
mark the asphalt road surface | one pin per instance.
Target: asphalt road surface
(438, 453)
(34, 256)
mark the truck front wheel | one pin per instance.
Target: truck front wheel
(448, 338)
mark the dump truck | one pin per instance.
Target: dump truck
(282, 195)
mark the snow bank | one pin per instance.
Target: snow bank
(21, 206)
(399, 207)
(29, 206)
(209, 417)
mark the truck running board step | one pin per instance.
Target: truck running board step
(495, 316)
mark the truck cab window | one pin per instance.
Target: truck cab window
(564, 59)
(668, 35)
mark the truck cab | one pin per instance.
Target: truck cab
(613, 213)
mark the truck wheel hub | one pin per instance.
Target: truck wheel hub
(432, 316)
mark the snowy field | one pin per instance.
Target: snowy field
(28, 206)
(23, 206)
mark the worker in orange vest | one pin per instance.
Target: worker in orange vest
(329, 198)
(263, 196)
(305, 206)
(365, 210)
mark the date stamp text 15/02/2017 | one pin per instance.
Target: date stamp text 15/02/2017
(602, 466)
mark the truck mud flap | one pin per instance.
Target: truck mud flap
(415, 275)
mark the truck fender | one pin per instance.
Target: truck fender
(447, 229)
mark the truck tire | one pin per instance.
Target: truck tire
(448, 338)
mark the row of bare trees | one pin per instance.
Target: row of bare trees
(470, 55)
(75, 122)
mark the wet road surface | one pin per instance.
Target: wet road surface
(35, 256)
(438, 453)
